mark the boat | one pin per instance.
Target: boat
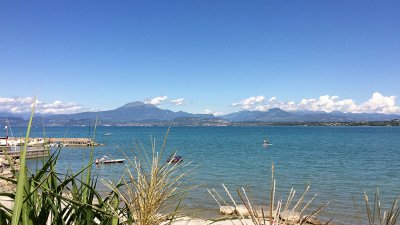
(107, 134)
(175, 159)
(107, 160)
(266, 143)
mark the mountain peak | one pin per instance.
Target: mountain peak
(132, 105)
(276, 110)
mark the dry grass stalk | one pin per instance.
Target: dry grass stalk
(376, 215)
(277, 209)
(152, 191)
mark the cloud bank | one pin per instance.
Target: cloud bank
(24, 105)
(163, 99)
(178, 102)
(157, 100)
(377, 103)
(248, 103)
(207, 111)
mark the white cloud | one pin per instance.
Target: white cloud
(24, 105)
(273, 98)
(380, 104)
(157, 100)
(178, 102)
(248, 103)
(207, 111)
(376, 104)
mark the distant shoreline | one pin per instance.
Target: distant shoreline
(316, 124)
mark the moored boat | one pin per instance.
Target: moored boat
(175, 159)
(107, 160)
(266, 143)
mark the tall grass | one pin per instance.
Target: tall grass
(49, 197)
(376, 215)
(278, 212)
(149, 194)
(21, 183)
(152, 190)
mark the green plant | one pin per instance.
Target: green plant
(49, 197)
(152, 191)
(376, 215)
(277, 212)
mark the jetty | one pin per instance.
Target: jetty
(39, 141)
(73, 141)
(31, 152)
(39, 147)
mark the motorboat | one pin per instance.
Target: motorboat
(107, 134)
(107, 160)
(175, 159)
(266, 143)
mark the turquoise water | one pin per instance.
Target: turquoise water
(338, 162)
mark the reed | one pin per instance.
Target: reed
(47, 197)
(376, 215)
(152, 189)
(278, 212)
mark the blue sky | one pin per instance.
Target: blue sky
(218, 56)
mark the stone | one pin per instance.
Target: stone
(6, 173)
(241, 210)
(227, 210)
(313, 220)
(259, 210)
(289, 215)
(3, 183)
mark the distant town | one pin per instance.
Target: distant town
(20, 122)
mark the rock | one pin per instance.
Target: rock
(227, 210)
(241, 210)
(289, 215)
(7, 173)
(259, 210)
(3, 183)
(312, 220)
(7, 202)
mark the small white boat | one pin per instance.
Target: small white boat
(106, 160)
(266, 143)
(107, 134)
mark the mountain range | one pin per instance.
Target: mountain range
(134, 111)
(278, 115)
(141, 112)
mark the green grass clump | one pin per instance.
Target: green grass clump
(276, 212)
(152, 189)
(48, 197)
(151, 194)
(376, 215)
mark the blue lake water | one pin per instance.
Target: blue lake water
(338, 162)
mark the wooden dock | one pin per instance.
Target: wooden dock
(57, 141)
(31, 152)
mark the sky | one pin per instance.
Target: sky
(200, 56)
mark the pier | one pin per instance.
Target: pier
(40, 147)
(33, 141)
(31, 152)
(73, 141)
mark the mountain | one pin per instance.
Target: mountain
(141, 112)
(278, 115)
(134, 111)
(272, 115)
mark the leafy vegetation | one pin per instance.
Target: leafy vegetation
(152, 190)
(149, 195)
